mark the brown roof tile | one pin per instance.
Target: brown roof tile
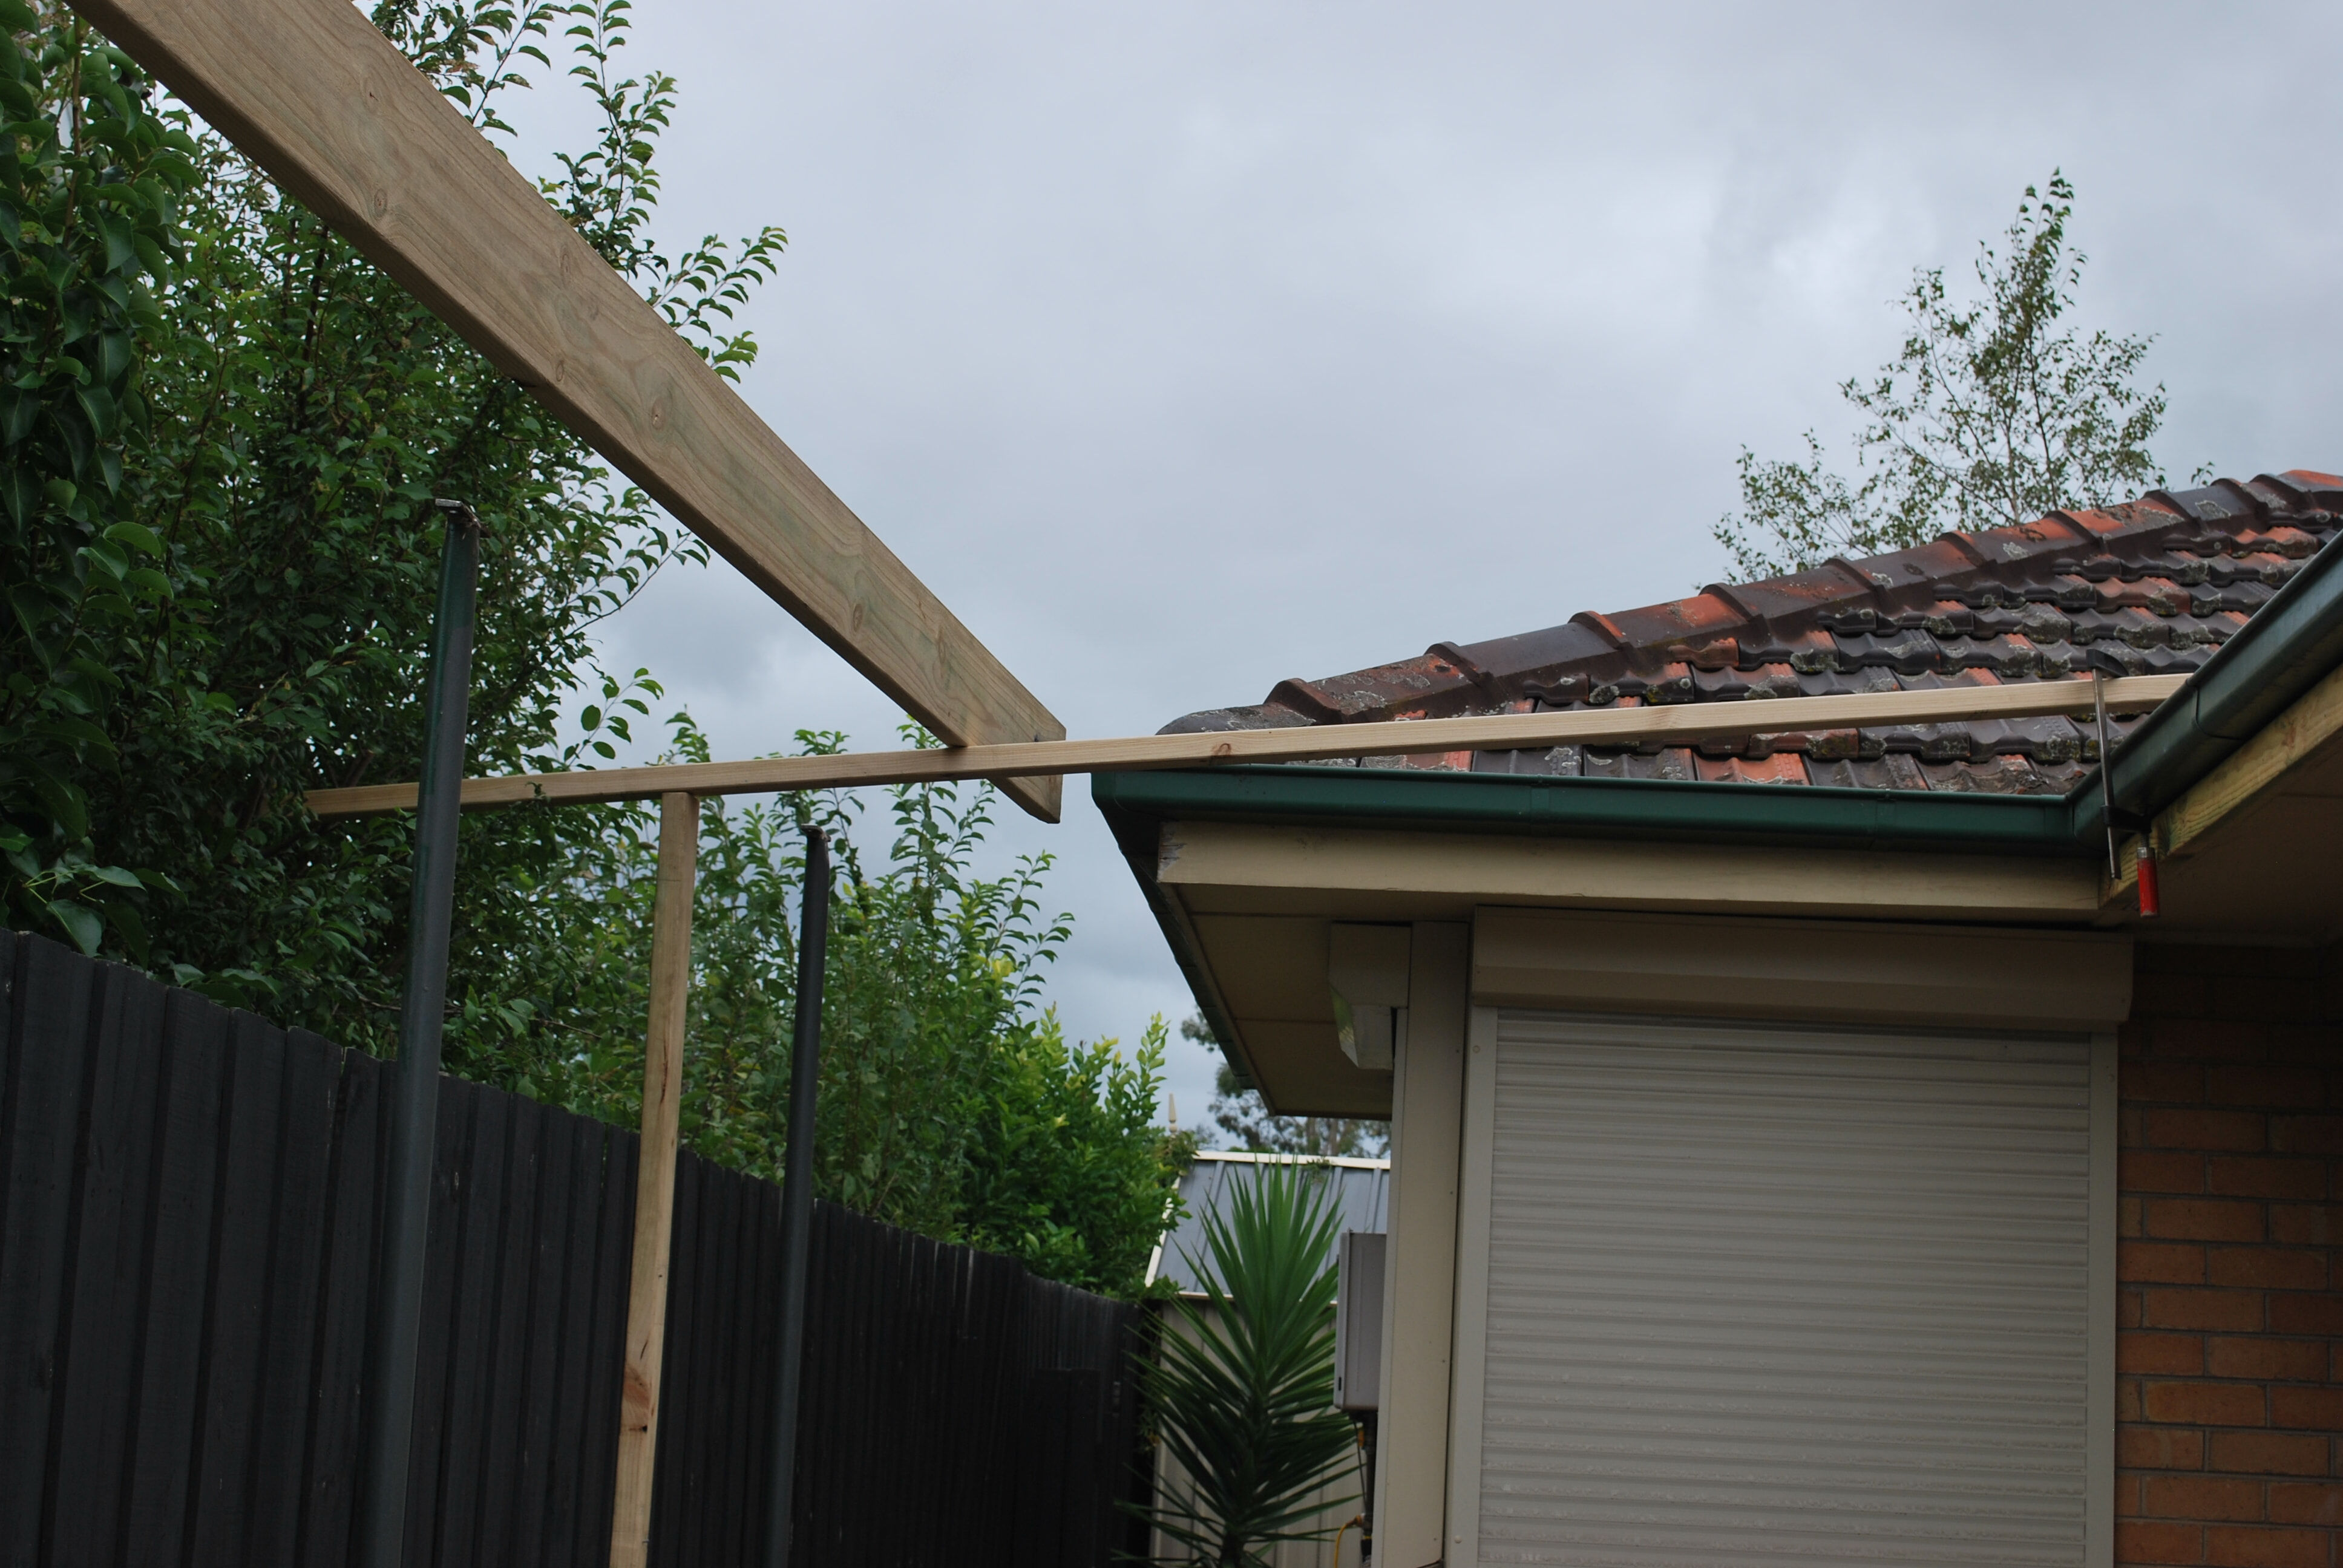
(2151, 586)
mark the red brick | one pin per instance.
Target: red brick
(2128, 1399)
(2145, 1171)
(2306, 1314)
(2305, 1503)
(2312, 1407)
(2305, 1134)
(2201, 1497)
(2304, 1045)
(2220, 962)
(2208, 1039)
(2159, 1543)
(2128, 1215)
(2243, 1131)
(2203, 1404)
(2173, 1355)
(2275, 997)
(2173, 1448)
(2148, 1543)
(2243, 1546)
(2269, 1268)
(2160, 991)
(2306, 1224)
(2239, 1312)
(2268, 1453)
(2171, 1083)
(2203, 1219)
(2160, 1262)
(2276, 1088)
(2287, 1360)
(2245, 1176)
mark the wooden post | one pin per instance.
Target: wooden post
(678, 856)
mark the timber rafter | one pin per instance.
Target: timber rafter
(312, 93)
(1622, 726)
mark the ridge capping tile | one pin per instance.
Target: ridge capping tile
(1723, 594)
(1870, 582)
(1966, 546)
(1603, 625)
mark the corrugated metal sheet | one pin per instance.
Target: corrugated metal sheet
(1758, 1296)
(1361, 1189)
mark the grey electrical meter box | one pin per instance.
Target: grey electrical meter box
(1359, 1322)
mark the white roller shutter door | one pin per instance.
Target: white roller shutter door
(1766, 1296)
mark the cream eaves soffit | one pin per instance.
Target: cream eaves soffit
(1229, 867)
(314, 95)
(1614, 926)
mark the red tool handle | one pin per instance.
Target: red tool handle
(2150, 904)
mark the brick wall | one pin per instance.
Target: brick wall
(2229, 1343)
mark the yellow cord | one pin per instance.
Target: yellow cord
(1354, 1519)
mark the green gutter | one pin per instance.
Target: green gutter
(1588, 807)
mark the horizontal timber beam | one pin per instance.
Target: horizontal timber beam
(313, 94)
(1621, 727)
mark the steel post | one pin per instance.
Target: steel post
(415, 1112)
(797, 1196)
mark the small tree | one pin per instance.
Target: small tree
(1243, 1388)
(1990, 415)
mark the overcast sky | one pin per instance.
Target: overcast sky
(1186, 347)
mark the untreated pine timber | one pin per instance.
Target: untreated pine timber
(311, 92)
(1668, 724)
(638, 1410)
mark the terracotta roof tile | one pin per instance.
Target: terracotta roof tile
(2151, 586)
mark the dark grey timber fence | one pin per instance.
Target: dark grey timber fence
(189, 1228)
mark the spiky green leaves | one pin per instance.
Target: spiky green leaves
(1243, 1386)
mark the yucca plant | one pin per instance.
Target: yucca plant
(1244, 1398)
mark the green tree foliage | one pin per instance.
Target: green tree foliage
(91, 179)
(951, 1101)
(1991, 414)
(1243, 1121)
(1243, 1387)
(223, 427)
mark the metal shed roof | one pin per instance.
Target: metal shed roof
(1361, 1192)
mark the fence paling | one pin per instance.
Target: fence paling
(189, 1231)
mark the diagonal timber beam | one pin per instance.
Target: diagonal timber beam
(1317, 742)
(314, 95)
